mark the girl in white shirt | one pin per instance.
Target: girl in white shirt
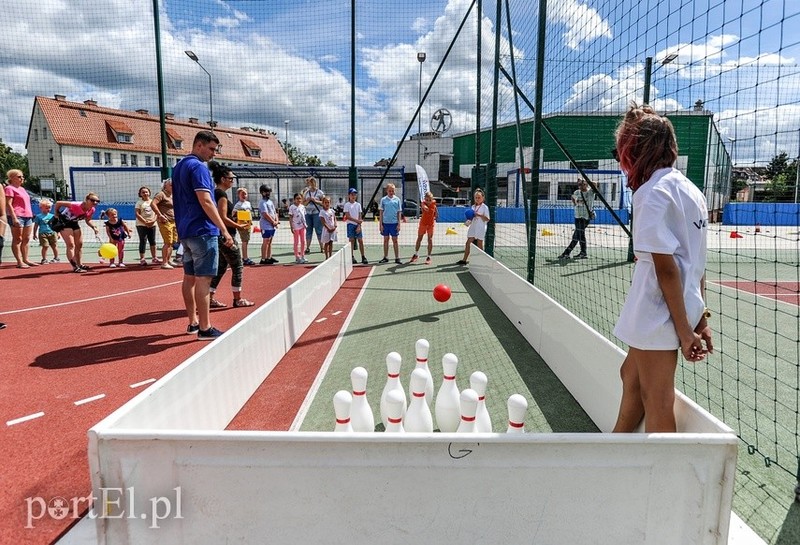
(665, 309)
(297, 215)
(477, 225)
(328, 217)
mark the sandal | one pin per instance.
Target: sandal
(216, 304)
(242, 303)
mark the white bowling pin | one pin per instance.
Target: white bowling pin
(341, 406)
(393, 363)
(396, 403)
(478, 382)
(422, 347)
(469, 404)
(361, 416)
(448, 404)
(418, 416)
(517, 407)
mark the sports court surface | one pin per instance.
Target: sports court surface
(110, 339)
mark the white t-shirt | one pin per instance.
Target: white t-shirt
(352, 209)
(297, 213)
(477, 226)
(328, 218)
(266, 206)
(669, 217)
(581, 210)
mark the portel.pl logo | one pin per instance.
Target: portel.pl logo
(112, 503)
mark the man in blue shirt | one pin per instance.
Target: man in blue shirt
(199, 229)
(390, 210)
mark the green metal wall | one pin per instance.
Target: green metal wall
(587, 138)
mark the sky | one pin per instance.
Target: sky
(273, 61)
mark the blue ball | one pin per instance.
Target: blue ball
(469, 213)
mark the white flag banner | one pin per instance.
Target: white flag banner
(423, 183)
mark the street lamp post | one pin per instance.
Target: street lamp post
(421, 58)
(192, 56)
(286, 140)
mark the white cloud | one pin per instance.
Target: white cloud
(584, 24)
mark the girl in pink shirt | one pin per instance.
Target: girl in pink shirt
(72, 212)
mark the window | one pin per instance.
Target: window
(107, 157)
(36, 134)
(544, 191)
(170, 162)
(50, 155)
(96, 157)
(124, 138)
(565, 190)
(134, 160)
(44, 133)
(178, 144)
(219, 148)
(82, 113)
(123, 158)
(147, 160)
(156, 161)
(255, 153)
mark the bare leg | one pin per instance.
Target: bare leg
(657, 380)
(385, 247)
(396, 247)
(187, 290)
(631, 408)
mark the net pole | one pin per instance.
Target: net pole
(537, 135)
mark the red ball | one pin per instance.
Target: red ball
(442, 293)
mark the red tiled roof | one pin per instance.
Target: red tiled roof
(68, 127)
(250, 145)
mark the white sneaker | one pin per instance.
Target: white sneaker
(112, 265)
(122, 264)
(142, 262)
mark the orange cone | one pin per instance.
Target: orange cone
(735, 234)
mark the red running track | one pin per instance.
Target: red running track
(77, 347)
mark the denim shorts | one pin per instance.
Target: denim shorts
(389, 230)
(25, 222)
(351, 231)
(200, 255)
(269, 233)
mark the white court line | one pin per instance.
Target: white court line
(336, 313)
(766, 297)
(99, 297)
(312, 391)
(320, 320)
(137, 384)
(89, 399)
(24, 419)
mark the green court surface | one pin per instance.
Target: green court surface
(397, 308)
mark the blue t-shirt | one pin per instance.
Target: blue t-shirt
(390, 207)
(42, 221)
(190, 176)
(266, 205)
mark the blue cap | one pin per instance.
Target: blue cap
(352, 190)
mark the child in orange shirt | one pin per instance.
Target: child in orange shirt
(426, 224)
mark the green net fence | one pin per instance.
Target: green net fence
(342, 84)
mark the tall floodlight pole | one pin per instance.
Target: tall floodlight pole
(421, 58)
(192, 56)
(165, 170)
(286, 140)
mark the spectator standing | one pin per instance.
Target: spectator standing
(353, 216)
(117, 231)
(268, 223)
(245, 222)
(20, 217)
(165, 215)
(199, 228)
(390, 211)
(146, 225)
(312, 200)
(41, 230)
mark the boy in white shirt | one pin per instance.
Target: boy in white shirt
(353, 220)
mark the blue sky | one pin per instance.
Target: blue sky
(277, 60)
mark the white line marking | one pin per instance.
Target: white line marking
(148, 381)
(320, 320)
(336, 313)
(98, 298)
(89, 399)
(312, 391)
(24, 419)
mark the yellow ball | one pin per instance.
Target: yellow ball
(108, 250)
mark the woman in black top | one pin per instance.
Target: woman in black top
(223, 180)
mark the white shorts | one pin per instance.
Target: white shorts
(477, 230)
(328, 236)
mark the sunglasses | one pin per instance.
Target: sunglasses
(95, 201)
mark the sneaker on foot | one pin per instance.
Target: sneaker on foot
(156, 261)
(297, 260)
(581, 256)
(112, 265)
(142, 262)
(398, 261)
(83, 267)
(461, 262)
(355, 261)
(364, 261)
(272, 260)
(78, 270)
(563, 256)
(209, 334)
(44, 261)
(166, 266)
(428, 260)
(308, 251)
(414, 258)
(248, 261)
(55, 260)
(303, 260)
(264, 261)
(192, 329)
(384, 260)
(122, 264)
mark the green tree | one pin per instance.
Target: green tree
(10, 159)
(297, 157)
(782, 176)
